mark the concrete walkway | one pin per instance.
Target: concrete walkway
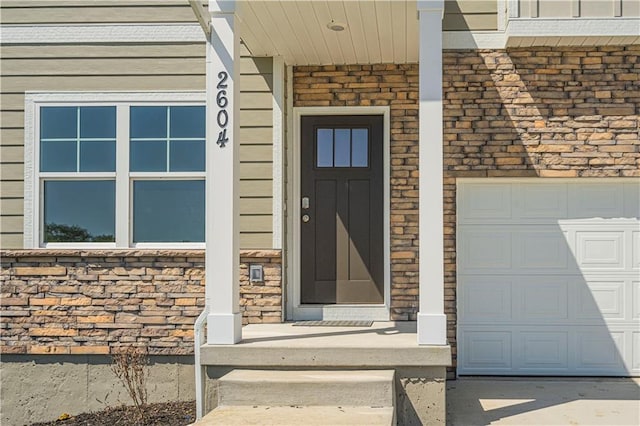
(543, 401)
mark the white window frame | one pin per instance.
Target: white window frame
(33, 179)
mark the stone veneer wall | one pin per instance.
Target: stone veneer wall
(536, 112)
(397, 87)
(93, 301)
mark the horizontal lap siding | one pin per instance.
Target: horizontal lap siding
(134, 67)
(256, 158)
(470, 15)
(79, 12)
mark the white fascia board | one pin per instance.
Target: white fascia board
(536, 27)
(573, 27)
(132, 96)
(473, 40)
(222, 6)
(202, 15)
(101, 33)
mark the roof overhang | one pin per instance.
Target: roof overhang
(331, 31)
(386, 31)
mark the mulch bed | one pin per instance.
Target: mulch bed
(159, 414)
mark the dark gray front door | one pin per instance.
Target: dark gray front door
(341, 218)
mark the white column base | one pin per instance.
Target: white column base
(432, 329)
(224, 329)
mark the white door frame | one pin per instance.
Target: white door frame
(295, 310)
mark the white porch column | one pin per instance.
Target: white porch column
(432, 322)
(224, 320)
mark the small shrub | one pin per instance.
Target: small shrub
(130, 365)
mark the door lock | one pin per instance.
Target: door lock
(306, 218)
(305, 202)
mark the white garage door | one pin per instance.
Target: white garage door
(549, 277)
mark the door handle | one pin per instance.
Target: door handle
(305, 203)
(305, 218)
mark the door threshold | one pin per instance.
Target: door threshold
(340, 313)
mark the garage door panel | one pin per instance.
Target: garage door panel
(598, 300)
(546, 249)
(635, 300)
(486, 250)
(596, 200)
(598, 349)
(600, 250)
(548, 350)
(632, 201)
(543, 300)
(551, 284)
(635, 351)
(544, 201)
(486, 299)
(543, 350)
(635, 250)
(487, 350)
(484, 203)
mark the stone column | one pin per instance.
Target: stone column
(432, 322)
(224, 320)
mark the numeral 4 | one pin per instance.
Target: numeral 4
(222, 138)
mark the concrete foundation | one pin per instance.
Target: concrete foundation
(42, 387)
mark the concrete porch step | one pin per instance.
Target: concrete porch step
(296, 415)
(368, 388)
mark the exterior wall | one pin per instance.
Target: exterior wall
(134, 67)
(90, 302)
(470, 15)
(100, 11)
(397, 87)
(537, 112)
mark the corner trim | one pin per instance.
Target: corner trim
(278, 96)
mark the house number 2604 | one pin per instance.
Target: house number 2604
(222, 102)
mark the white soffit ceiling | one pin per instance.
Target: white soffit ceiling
(376, 31)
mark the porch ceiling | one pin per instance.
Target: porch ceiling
(376, 31)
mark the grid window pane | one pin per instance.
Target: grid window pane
(98, 156)
(148, 122)
(342, 148)
(187, 122)
(168, 211)
(98, 122)
(360, 148)
(148, 156)
(342, 154)
(58, 156)
(324, 147)
(187, 156)
(79, 211)
(58, 123)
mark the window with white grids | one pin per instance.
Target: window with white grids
(115, 173)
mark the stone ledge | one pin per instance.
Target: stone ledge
(44, 252)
